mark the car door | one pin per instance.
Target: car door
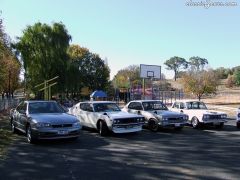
(21, 116)
(82, 114)
(135, 107)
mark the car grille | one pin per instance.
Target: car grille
(214, 116)
(61, 125)
(127, 121)
(176, 120)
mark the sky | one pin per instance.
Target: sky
(134, 32)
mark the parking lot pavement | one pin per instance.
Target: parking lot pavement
(167, 154)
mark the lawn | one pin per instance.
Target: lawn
(6, 137)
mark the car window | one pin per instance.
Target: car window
(154, 105)
(83, 106)
(196, 105)
(22, 107)
(44, 107)
(175, 105)
(106, 107)
(182, 106)
(135, 106)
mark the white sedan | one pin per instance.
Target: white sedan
(199, 114)
(156, 114)
(106, 116)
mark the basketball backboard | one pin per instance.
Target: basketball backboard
(150, 71)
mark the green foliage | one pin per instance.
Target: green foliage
(86, 70)
(197, 63)
(175, 63)
(127, 76)
(223, 73)
(200, 83)
(43, 50)
(237, 76)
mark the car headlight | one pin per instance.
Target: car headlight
(164, 118)
(76, 124)
(186, 117)
(140, 119)
(223, 116)
(42, 124)
(116, 121)
(206, 116)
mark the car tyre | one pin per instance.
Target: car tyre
(103, 129)
(30, 138)
(13, 128)
(153, 125)
(195, 123)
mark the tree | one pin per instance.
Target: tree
(200, 83)
(197, 63)
(230, 81)
(175, 63)
(87, 69)
(10, 66)
(127, 76)
(237, 76)
(223, 73)
(43, 51)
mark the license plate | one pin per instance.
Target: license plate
(62, 132)
(177, 125)
(127, 127)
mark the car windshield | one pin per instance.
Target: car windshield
(154, 105)
(44, 107)
(196, 105)
(106, 107)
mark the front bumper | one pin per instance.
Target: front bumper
(55, 133)
(126, 128)
(166, 124)
(214, 121)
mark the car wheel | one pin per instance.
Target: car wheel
(153, 125)
(220, 126)
(13, 128)
(103, 129)
(30, 138)
(195, 123)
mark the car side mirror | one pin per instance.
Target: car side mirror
(139, 112)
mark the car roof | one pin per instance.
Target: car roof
(34, 101)
(93, 102)
(187, 100)
(145, 101)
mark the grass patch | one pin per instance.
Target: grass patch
(6, 136)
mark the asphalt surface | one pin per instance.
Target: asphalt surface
(167, 154)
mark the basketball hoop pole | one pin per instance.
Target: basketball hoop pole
(143, 88)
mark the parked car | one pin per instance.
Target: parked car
(43, 120)
(106, 116)
(238, 118)
(199, 114)
(156, 114)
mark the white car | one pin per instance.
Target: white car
(106, 116)
(238, 118)
(199, 114)
(156, 114)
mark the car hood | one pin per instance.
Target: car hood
(167, 113)
(54, 118)
(208, 112)
(121, 114)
